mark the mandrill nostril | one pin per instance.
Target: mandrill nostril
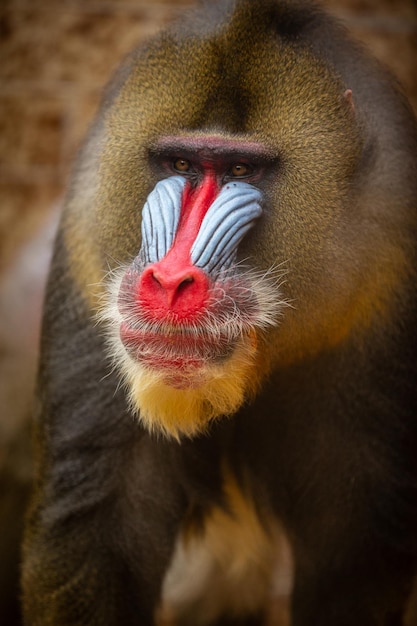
(185, 282)
(156, 279)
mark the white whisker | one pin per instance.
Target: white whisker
(179, 375)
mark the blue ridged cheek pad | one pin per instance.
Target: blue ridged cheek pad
(228, 219)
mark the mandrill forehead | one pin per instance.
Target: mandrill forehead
(246, 92)
(211, 147)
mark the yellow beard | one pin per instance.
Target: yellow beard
(216, 391)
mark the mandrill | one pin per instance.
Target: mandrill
(228, 371)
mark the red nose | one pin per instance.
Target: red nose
(165, 291)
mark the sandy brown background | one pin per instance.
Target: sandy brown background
(55, 56)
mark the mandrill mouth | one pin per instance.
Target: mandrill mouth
(185, 353)
(179, 353)
(180, 347)
(183, 348)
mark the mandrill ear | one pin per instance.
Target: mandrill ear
(348, 96)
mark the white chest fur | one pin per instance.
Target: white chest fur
(235, 566)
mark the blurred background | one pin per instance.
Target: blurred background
(55, 57)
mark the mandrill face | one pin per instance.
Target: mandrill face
(187, 316)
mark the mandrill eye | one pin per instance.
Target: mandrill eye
(182, 165)
(240, 170)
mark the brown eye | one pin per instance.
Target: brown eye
(240, 170)
(182, 165)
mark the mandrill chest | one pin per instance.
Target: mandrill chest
(186, 317)
(237, 564)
